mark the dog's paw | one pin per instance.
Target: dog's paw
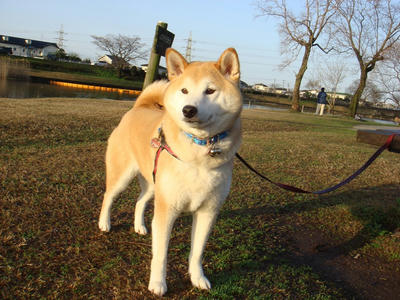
(158, 288)
(201, 282)
(141, 229)
(104, 225)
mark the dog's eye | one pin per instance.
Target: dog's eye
(184, 91)
(209, 91)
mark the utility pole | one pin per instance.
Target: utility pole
(61, 38)
(188, 55)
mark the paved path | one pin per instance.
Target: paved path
(375, 127)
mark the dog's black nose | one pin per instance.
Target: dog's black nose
(189, 111)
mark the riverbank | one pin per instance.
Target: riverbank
(45, 70)
(343, 245)
(85, 79)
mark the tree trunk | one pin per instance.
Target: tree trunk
(296, 95)
(357, 95)
(299, 78)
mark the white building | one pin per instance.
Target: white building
(280, 91)
(340, 96)
(27, 47)
(261, 87)
(108, 59)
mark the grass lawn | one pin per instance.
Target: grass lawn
(266, 244)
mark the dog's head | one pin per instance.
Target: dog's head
(203, 98)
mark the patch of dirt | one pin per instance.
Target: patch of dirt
(363, 277)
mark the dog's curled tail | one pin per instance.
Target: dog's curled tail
(153, 95)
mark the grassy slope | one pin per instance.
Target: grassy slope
(52, 180)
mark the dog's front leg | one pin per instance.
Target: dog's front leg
(163, 220)
(203, 221)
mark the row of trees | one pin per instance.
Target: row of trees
(368, 30)
(62, 55)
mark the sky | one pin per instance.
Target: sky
(214, 25)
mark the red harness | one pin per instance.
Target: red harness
(161, 145)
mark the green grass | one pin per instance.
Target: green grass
(263, 245)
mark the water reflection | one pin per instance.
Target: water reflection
(32, 89)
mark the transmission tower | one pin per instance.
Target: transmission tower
(61, 38)
(188, 55)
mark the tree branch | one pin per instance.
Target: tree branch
(322, 49)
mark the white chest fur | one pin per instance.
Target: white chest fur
(188, 187)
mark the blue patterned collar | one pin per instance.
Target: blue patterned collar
(209, 141)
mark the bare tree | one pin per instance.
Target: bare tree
(313, 83)
(123, 48)
(332, 75)
(371, 94)
(299, 31)
(368, 29)
(389, 76)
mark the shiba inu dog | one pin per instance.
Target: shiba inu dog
(195, 118)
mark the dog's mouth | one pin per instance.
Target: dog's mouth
(198, 122)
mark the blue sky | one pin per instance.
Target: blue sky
(215, 25)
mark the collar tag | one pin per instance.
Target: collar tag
(214, 151)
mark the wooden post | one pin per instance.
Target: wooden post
(152, 67)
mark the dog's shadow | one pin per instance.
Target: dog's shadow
(376, 208)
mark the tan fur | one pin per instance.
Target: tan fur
(196, 182)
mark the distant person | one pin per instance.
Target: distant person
(321, 101)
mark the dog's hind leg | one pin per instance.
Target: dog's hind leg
(147, 194)
(119, 173)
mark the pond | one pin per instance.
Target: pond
(36, 89)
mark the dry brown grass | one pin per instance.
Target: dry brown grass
(267, 243)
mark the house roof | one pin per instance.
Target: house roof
(109, 56)
(11, 40)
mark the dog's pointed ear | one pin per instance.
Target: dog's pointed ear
(176, 63)
(228, 64)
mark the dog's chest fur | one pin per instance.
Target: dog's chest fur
(193, 186)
